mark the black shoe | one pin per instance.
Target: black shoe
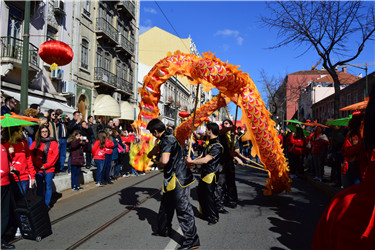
(212, 222)
(5, 245)
(202, 217)
(160, 234)
(187, 247)
(231, 205)
(109, 182)
(223, 211)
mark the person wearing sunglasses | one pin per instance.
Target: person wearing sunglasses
(45, 152)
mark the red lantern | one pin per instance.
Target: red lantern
(56, 53)
(184, 114)
(207, 119)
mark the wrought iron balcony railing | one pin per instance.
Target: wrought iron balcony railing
(128, 5)
(125, 43)
(125, 85)
(104, 76)
(105, 27)
(12, 48)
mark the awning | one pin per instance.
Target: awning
(45, 104)
(106, 105)
(129, 111)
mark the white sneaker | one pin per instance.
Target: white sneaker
(125, 175)
(153, 168)
(18, 233)
(156, 168)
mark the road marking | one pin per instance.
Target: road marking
(172, 244)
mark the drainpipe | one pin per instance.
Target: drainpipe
(25, 60)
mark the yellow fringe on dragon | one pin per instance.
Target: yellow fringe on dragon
(138, 153)
(234, 86)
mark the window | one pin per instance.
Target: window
(124, 71)
(107, 61)
(355, 96)
(51, 34)
(86, 7)
(84, 54)
(15, 22)
(342, 102)
(348, 99)
(99, 58)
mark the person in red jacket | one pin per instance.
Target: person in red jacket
(297, 141)
(21, 159)
(319, 147)
(349, 220)
(98, 153)
(350, 171)
(5, 195)
(77, 146)
(45, 152)
(109, 145)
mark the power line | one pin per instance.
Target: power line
(171, 25)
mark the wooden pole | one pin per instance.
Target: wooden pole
(234, 124)
(192, 125)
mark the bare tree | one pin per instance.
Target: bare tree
(279, 95)
(327, 27)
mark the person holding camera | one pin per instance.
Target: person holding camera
(62, 132)
(78, 144)
(88, 134)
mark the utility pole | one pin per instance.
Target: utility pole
(364, 68)
(25, 59)
(175, 100)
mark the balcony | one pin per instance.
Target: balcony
(125, 86)
(124, 44)
(127, 7)
(103, 76)
(12, 51)
(105, 30)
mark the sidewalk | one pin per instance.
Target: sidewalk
(62, 181)
(325, 186)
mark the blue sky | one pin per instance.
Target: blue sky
(233, 32)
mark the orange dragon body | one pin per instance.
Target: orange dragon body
(235, 86)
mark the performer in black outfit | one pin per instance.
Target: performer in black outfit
(176, 190)
(226, 191)
(210, 160)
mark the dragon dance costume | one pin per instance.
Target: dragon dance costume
(176, 192)
(208, 182)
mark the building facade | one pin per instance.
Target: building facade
(177, 93)
(103, 36)
(353, 93)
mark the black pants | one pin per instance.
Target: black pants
(126, 168)
(231, 197)
(206, 198)
(220, 189)
(5, 208)
(178, 199)
(8, 219)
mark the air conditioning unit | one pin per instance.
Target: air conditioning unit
(59, 7)
(68, 88)
(57, 74)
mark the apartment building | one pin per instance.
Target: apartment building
(103, 36)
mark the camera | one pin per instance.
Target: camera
(84, 138)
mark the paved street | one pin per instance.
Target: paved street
(109, 217)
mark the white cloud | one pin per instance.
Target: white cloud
(230, 33)
(143, 28)
(150, 10)
(147, 24)
(227, 32)
(239, 40)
